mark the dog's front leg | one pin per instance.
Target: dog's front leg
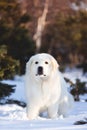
(32, 112)
(53, 111)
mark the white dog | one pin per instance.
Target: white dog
(46, 88)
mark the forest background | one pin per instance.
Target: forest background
(64, 35)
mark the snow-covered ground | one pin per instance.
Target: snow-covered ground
(13, 117)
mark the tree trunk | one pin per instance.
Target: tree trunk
(40, 27)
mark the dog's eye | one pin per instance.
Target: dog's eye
(46, 62)
(36, 62)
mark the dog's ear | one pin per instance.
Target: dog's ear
(28, 65)
(54, 63)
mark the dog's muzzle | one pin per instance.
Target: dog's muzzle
(40, 70)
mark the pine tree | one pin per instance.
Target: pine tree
(78, 89)
(8, 66)
(6, 90)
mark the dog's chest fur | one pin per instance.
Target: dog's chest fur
(47, 93)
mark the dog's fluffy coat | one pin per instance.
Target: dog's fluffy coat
(46, 88)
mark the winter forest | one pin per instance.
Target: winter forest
(56, 27)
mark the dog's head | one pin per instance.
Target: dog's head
(41, 66)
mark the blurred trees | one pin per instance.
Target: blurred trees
(66, 37)
(13, 32)
(8, 66)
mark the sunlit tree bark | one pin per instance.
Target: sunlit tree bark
(40, 26)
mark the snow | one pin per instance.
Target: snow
(81, 6)
(13, 117)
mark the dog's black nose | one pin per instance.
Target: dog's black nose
(40, 70)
